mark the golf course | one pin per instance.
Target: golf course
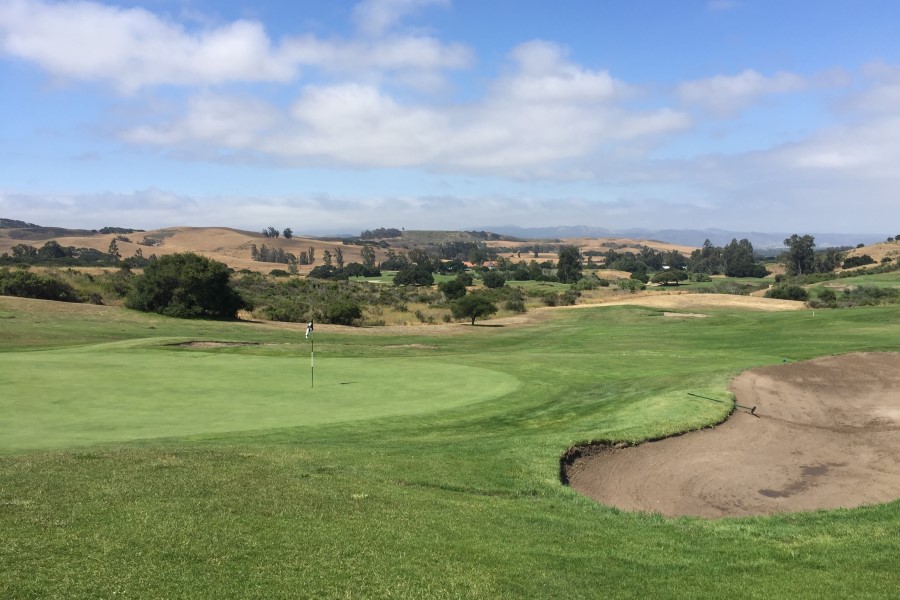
(143, 456)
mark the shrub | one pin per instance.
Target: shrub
(25, 284)
(787, 292)
(185, 285)
(453, 289)
(343, 312)
(857, 261)
(493, 279)
(279, 273)
(515, 305)
(631, 285)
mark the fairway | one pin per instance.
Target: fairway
(125, 391)
(423, 464)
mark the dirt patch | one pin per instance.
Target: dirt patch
(826, 435)
(685, 315)
(416, 346)
(212, 344)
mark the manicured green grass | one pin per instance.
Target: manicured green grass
(884, 280)
(460, 499)
(114, 392)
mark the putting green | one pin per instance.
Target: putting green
(119, 392)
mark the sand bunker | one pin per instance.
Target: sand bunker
(827, 436)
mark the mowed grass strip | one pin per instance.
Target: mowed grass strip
(456, 503)
(90, 395)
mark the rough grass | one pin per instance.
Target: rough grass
(461, 502)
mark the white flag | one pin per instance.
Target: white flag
(309, 329)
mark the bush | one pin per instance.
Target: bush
(631, 285)
(493, 279)
(640, 276)
(342, 312)
(453, 289)
(185, 285)
(787, 292)
(857, 261)
(279, 273)
(25, 284)
(515, 305)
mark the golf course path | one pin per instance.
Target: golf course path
(826, 434)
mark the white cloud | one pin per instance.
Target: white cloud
(131, 48)
(375, 17)
(391, 53)
(725, 95)
(545, 111)
(869, 150)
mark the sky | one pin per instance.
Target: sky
(339, 116)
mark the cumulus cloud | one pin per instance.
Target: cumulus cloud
(545, 110)
(374, 17)
(131, 48)
(728, 94)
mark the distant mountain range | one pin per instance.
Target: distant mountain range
(687, 237)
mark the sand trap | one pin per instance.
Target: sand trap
(827, 436)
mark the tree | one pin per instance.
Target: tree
(273, 232)
(453, 289)
(800, 256)
(670, 276)
(368, 256)
(739, 261)
(311, 255)
(493, 279)
(113, 251)
(414, 275)
(472, 306)
(568, 269)
(339, 258)
(287, 233)
(326, 257)
(185, 285)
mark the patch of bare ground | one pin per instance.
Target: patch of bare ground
(826, 434)
(691, 300)
(208, 344)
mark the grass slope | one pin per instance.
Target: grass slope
(458, 502)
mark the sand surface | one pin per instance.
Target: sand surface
(827, 435)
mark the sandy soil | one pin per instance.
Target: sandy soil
(827, 435)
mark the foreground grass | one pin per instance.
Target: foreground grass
(456, 500)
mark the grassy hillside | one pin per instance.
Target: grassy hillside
(248, 484)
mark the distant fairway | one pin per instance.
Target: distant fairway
(125, 391)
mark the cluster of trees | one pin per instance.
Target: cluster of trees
(647, 260)
(736, 259)
(380, 232)
(278, 255)
(353, 269)
(271, 232)
(52, 253)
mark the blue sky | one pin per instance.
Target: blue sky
(452, 114)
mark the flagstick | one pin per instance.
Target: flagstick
(312, 362)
